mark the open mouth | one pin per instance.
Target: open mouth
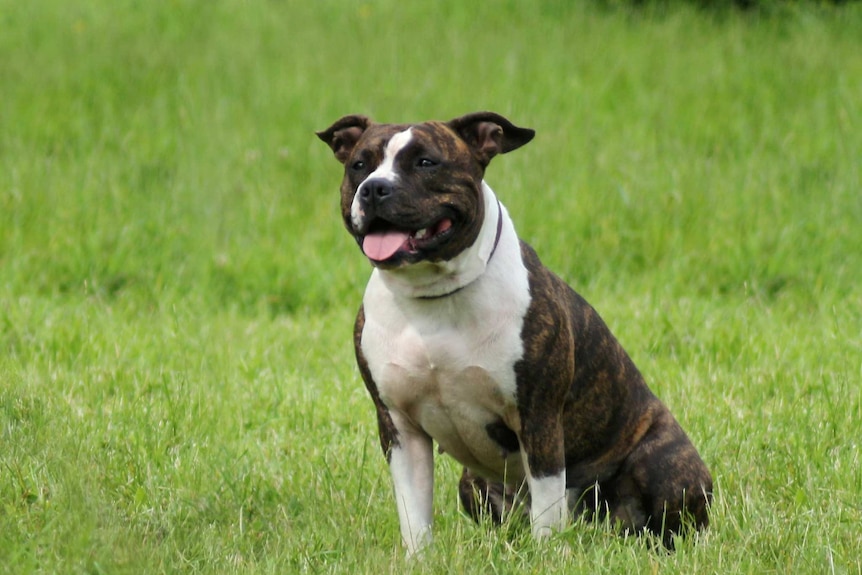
(383, 243)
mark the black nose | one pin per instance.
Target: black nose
(375, 190)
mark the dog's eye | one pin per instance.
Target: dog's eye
(425, 163)
(358, 165)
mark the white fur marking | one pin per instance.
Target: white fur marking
(412, 468)
(386, 171)
(548, 504)
(397, 143)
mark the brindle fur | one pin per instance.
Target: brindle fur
(583, 405)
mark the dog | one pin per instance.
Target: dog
(465, 339)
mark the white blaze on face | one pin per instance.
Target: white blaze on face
(385, 171)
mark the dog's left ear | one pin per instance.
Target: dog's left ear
(343, 135)
(489, 134)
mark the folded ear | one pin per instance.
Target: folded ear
(489, 134)
(343, 135)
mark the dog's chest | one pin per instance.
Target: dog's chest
(447, 366)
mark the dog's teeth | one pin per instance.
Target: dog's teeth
(421, 233)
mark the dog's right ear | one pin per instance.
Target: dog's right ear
(343, 135)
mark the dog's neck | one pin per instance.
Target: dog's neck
(434, 280)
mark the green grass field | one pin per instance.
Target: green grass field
(177, 385)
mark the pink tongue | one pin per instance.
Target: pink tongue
(380, 246)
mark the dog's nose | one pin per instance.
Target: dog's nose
(375, 190)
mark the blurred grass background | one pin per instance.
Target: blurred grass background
(177, 390)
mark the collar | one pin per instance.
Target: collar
(499, 231)
(491, 255)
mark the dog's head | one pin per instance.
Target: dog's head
(413, 192)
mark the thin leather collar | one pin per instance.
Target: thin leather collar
(491, 255)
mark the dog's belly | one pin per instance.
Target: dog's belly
(452, 377)
(457, 408)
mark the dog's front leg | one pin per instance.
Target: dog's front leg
(543, 456)
(412, 465)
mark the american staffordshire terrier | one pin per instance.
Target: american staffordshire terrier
(466, 339)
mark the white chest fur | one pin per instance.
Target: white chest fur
(446, 365)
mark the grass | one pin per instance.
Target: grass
(177, 388)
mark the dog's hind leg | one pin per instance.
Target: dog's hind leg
(663, 485)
